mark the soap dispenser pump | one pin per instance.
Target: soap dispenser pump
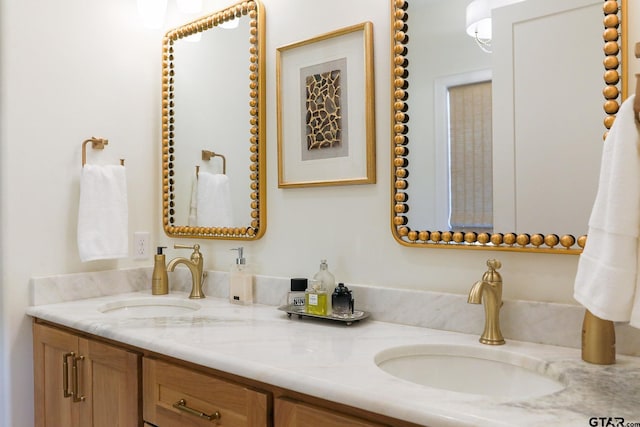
(240, 280)
(159, 278)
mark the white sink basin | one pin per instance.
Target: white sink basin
(149, 307)
(474, 370)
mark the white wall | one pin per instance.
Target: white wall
(70, 70)
(76, 68)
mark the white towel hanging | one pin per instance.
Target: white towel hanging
(103, 213)
(608, 281)
(214, 200)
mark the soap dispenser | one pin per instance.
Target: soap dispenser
(240, 281)
(159, 278)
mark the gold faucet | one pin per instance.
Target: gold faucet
(598, 340)
(195, 267)
(489, 291)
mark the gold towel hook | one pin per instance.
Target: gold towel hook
(96, 144)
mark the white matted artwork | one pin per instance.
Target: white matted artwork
(325, 112)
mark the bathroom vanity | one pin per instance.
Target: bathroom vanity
(112, 377)
(86, 380)
(171, 361)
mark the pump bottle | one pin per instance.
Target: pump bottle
(159, 278)
(240, 281)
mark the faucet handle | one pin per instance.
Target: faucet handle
(491, 275)
(196, 256)
(195, 247)
(494, 264)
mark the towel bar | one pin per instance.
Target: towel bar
(207, 155)
(96, 144)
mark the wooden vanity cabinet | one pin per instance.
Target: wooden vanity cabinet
(176, 396)
(83, 382)
(121, 385)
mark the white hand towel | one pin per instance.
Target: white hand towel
(214, 200)
(193, 203)
(607, 281)
(103, 213)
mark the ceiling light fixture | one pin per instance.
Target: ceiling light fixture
(479, 20)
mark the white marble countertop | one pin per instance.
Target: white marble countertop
(336, 362)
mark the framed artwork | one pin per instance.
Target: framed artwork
(325, 97)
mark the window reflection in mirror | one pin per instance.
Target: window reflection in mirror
(465, 201)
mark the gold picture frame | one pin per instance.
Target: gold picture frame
(325, 109)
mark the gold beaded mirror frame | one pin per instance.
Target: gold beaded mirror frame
(614, 90)
(174, 225)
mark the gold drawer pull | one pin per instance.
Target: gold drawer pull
(182, 405)
(74, 375)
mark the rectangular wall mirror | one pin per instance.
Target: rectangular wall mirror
(497, 138)
(213, 126)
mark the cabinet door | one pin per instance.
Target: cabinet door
(111, 385)
(175, 396)
(51, 353)
(289, 413)
(108, 381)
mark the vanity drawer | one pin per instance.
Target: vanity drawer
(175, 396)
(291, 413)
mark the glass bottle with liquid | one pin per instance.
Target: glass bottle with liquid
(342, 301)
(315, 299)
(296, 297)
(327, 283)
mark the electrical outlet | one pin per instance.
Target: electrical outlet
(140, 245)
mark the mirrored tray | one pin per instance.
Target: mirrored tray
(347, 320)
